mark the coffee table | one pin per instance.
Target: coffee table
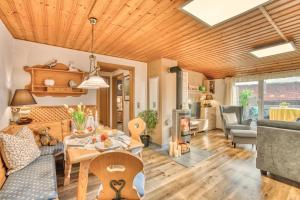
(83, 155)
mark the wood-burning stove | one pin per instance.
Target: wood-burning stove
(181, 133)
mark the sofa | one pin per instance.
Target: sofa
(278, 148)
(38, 179)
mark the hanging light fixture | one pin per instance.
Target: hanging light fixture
(93, 80)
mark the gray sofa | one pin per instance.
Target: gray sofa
(241, 125)
(36, 181)
(278, 148)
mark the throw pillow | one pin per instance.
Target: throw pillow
(230, 118)
(18, 150)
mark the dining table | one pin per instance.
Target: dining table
(284, 114)
(84, 152)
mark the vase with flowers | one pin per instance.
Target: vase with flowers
(79, 120)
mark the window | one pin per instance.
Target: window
(281, 92)
(247, 96)
(274, 99)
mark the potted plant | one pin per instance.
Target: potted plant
(202, 88)
(150, 117)
(284, 104)
(244, 100)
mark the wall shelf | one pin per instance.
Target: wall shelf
(61, 87)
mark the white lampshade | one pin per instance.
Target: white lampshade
(93, 82)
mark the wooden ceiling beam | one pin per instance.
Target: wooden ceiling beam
(268, 17)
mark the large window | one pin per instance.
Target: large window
(281, 92)
(247, 96)
(276, 99)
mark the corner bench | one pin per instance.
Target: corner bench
(36, 181)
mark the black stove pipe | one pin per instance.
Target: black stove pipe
(178, 72)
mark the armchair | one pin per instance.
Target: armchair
(241, 124)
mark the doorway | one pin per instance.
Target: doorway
(116, 103)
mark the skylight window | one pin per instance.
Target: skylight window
(214, 12)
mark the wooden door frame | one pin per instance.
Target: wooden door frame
(132, 84)
(98, 100)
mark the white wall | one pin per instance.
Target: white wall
(6, 46)
(195, 78)
(167, 98)
(219, 97)
(29, 54)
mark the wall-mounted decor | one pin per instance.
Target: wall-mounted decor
(49, 82)
(54, 82)
(212, 87)
(126, 88)
(72, 83)
(119, 88)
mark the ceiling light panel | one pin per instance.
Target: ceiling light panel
(213, 12)
(274, 50)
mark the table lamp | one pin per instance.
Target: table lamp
(19, 102)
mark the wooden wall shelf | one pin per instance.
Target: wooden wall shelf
(61, 87)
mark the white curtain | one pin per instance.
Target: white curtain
(229, 98)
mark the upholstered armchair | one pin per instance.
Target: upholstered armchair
(241, 124)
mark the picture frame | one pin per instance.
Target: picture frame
(126, 88)
(212, 87)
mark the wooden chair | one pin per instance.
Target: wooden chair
(136, 127)
(118, 172)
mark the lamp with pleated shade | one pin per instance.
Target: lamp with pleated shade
(20, 100)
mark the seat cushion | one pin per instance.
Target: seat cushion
(36, 181)
(230, 118)
(139, 183)
(238, 126)
(243, 133)
(52, 150)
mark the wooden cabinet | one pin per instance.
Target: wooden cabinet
(209, 113)
(61, 82)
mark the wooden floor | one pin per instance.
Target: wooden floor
(228, 174)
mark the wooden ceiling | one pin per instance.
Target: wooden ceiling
(145, 30)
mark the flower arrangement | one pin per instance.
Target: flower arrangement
(79, 116)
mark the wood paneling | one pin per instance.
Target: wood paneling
(147, 30)
(103, 102)
(230, 173)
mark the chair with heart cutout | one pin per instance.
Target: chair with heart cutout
(136, 127)
(120, 173)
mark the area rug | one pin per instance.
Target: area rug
(188, 160)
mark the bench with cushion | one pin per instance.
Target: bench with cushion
(243, 136)
(35, 181)
(38, 179)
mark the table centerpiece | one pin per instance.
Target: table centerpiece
(79, 120)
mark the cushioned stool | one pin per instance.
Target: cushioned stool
(243, 136)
